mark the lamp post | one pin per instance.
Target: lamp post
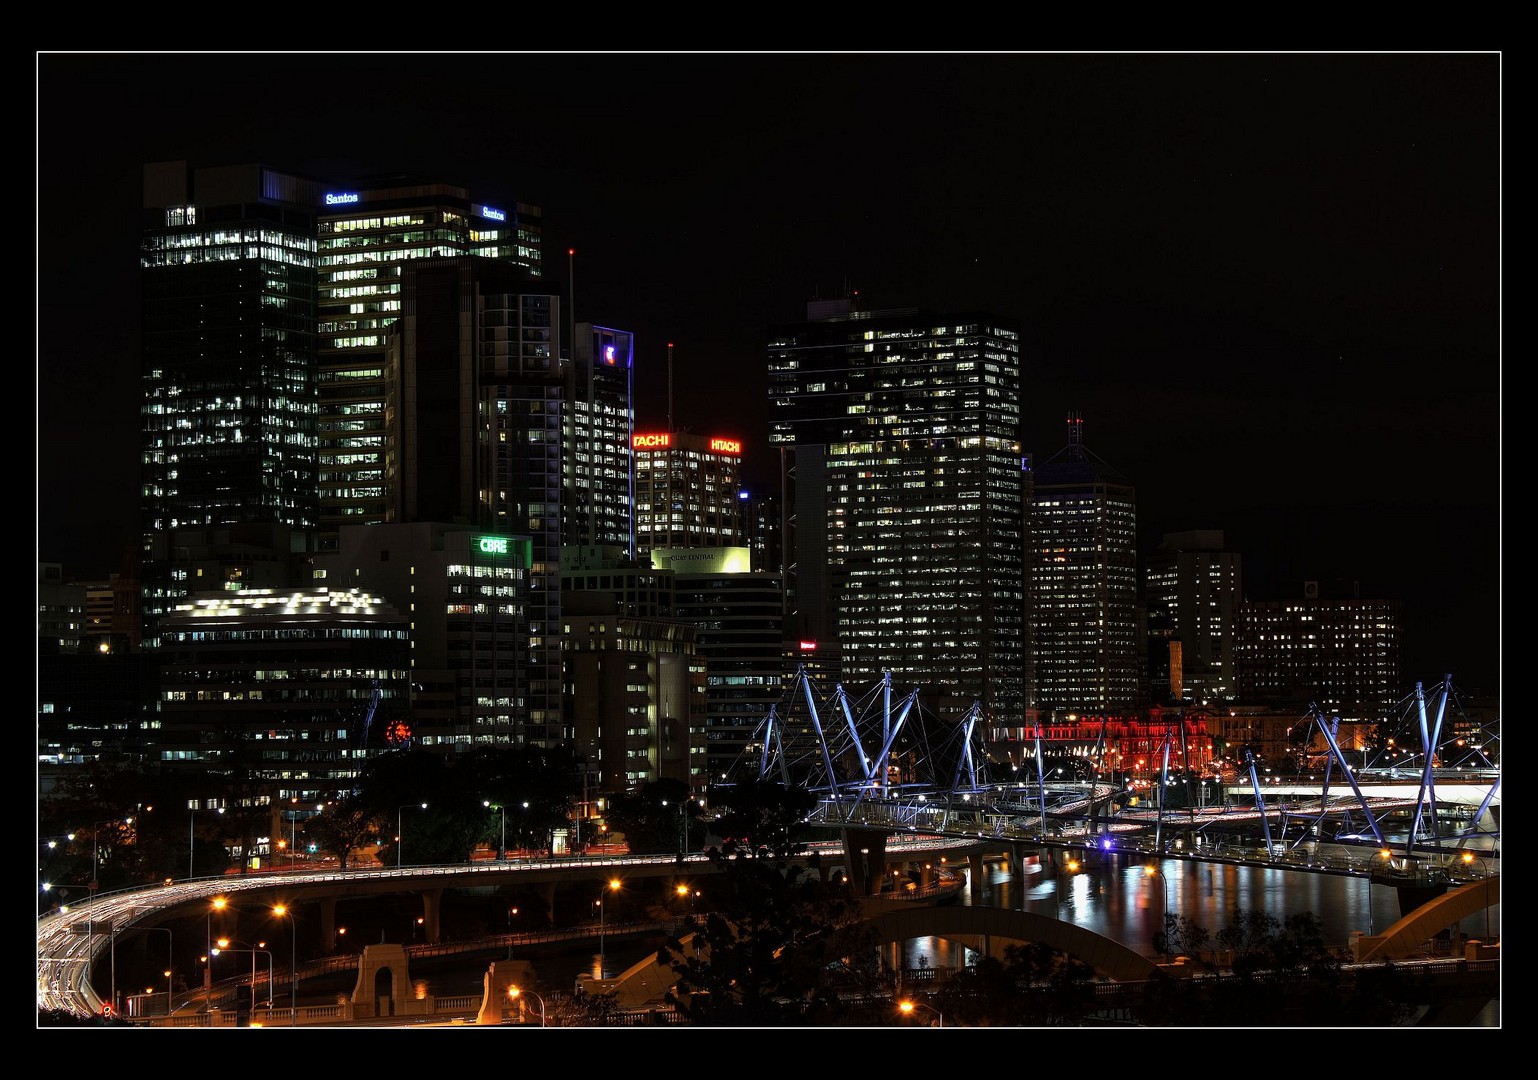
(907, 1006)
(514, 993)
(281, 910)
(167, 974)
(112, 947)
(1150, 870)
(224, 946)
(501, 847)
(400, 840)
(219, 904)
(1468, 860)
(192, 818)
(603, 971)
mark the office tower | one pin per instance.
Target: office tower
(599, 424)
(475, 433)
(229, 396)
(61, 611)
(904, 504)
(1330, 646)
(739, 619)
(367, 236)
(1084, 617)
(762, 531)
(635, 697)
(686, 489)
(464, 592)
(238, 703)
(1193, 589)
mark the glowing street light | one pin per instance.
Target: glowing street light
(907, 1006)
(514, 993)
(603, 971)
(281, 910)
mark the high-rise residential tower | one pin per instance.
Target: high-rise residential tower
(904, 498)
(1084, 614)
(228, 289)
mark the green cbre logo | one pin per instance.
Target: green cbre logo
(494, 545)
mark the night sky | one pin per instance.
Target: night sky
(1271, 283)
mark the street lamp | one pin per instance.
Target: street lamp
(192, 817)
(168, 992)
(1150, 870)
(502, 847)
(219, 904)
(907, 1006)
(224, 946)
(514, 993)
(603, 970)
(112, 947)
(293, 962)
(400, 841)
(1468, 860)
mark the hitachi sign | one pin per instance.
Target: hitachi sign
(726, 446)
(648, 442)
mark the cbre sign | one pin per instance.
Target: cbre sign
(492, 545)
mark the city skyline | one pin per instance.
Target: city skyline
(1271, 283)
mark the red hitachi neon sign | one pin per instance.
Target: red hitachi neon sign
(726, 446)
(649, 442)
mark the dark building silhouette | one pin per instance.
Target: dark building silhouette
(1192, 591)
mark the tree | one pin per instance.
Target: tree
(658, 818)
(781, 943)
(1181, 937)
(342, 826)
(536, 787)
(761, 819)
(1033, 985)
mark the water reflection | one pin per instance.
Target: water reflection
(1118, 898)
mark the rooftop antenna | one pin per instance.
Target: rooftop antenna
(1076, 435)
(670, 386)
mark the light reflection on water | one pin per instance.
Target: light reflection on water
(1119, 899)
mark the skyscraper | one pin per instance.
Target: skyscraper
(904, 497)
(1084, 617)
(475, 434)
(1193, 591)
(686, 491)
(229, 395)
(367, 236)
(598, 425)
